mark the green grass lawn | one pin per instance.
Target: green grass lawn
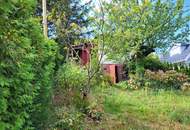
(143, 109)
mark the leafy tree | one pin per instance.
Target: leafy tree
(71, 21)
(138, 28)
(26, 67)
(71, 18)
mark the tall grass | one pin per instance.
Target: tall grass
(161, 107)
(115, 103)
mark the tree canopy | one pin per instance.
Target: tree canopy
(137, 28)
(71, 18)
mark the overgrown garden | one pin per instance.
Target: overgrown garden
(43, 87)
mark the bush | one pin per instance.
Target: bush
(127, 85)
(122, 85)
(185, 86)
(67, 119)
(71, 79)
(160, 80)
(102, 80)
(95, 109)
(166, 80)
(71, 76)
(152, 62)
(26, 68)
(135, 82)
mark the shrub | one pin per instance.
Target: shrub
(71, 80)
(127, 85)
(71, 76)
(135, 82)
(160, 80)
(152, 62)
(95, 109)
(185, 86)
(67, 119)
(100, 79)
(70, 110)
(26, 68)
(166, 80)
(122, 85)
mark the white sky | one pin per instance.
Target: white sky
(96, 3)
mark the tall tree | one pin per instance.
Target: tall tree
(71, 18)
(138, 28)
(71, 21)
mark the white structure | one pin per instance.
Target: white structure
(179, 53)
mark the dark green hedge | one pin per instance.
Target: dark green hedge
(26, 68)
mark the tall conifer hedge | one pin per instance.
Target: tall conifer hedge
(26, 67)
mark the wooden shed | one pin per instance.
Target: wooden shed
(81, 53)
(115, 71)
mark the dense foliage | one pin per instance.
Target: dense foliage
(69, 23)
(26, 67)
(40, 91)
(153, 63)
(139, 28)
(165, 80)
(71, 18)
(71, 76)
(168, 80)
(68, 103)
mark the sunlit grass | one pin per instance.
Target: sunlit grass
(147, 106)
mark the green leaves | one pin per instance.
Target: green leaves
(5, 7)
(4, 81)
(3, 126)
(141, 27)
(27, 64)
(71, 20)
(71, 76)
